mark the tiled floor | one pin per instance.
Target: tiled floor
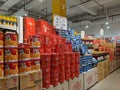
(112, 82)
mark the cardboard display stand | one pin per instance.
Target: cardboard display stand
(90, 78)
(76, 84)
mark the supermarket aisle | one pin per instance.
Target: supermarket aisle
(112, 82)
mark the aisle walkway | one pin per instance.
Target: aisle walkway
(112, 82)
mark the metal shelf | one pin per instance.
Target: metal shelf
(8, 27)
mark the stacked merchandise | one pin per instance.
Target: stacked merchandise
(89, 44)
(106, 46)
(58, 62)
(117, 53)
(8, 61)
(8, 21)
(103, 65)
(86, 63)
(29, 58)
(11, 53)
(79, 46)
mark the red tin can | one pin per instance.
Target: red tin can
(11, 39)
(11, 68)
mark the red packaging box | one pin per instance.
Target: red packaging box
(64, 40)
(61, 56)
(51, 29)
(61, 67)
(42, 49)
(77, 55)
(29, 28)
(41, 27)
(67, 60)
(62, 74)
(54, 58)
(61, 79)
(54, 66)
(62, 61)
(46, 75)
(48, 39)
(54, 82)
(72, 76)
(59, 40)
(55, 74)
(41, 39)
(77, 73)
(46, 57)
(53, 48)
(46, 82)
(68, 48)
(54, 39)
(60, 48)
(72, 55)
(45, 67)
(47, 49)
(46, 70)
(77, 66)
(67, 76)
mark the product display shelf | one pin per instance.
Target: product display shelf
(88, 43)
(117, 51)
(8, 27)
(103, 64)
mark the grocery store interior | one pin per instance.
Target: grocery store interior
(59, 44)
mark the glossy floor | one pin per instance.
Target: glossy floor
(112, 82)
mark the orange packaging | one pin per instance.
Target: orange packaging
(24, 66)
(11, 40)
(1, 39)
(34, 41)
(11, 54)
(1, 55)
(35, 64)
(29, 28)
(11, 68)
(24, 51)
(35, 53)
(1, 69)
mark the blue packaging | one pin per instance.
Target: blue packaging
(81, 69)
(71, 32)
(85, 68)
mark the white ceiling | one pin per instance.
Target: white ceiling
(37, 6)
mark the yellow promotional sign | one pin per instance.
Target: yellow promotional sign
(59, 7)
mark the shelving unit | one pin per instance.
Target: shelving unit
(8, 27)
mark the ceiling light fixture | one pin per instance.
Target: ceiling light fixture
(101, 32)
(87, 26)
(25, 14)
(106, 23)
(108, 27)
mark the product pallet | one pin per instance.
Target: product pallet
(72, 84)
(114, 65)
(27, 81)
(60, 86)
(31, 81)
(103, 69)
(90, 78)
(9, 83)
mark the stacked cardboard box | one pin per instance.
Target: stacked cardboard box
(9, 83)
(76, 83)
(31, 81)
(103, 69)
(90, 78)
